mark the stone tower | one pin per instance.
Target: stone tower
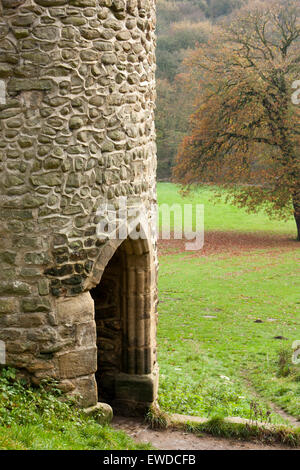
(77, 134)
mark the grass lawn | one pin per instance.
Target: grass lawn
(224, 217)
(66, 437)
(215, 358)
(37, 419)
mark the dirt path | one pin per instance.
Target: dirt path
(179, 440)
(232, 243)
(289, 418)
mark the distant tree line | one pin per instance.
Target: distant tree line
(182, 25)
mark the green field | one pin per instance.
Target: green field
(37, 419)
(215, 358)
(224, 217)
(66, 436)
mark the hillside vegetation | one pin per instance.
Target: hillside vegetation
(37, 419)
(180, 26)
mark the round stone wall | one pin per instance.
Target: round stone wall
(77, 91)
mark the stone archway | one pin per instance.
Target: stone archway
(125, 317)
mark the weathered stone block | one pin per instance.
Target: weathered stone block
(43, 286)
(23, 20)
(78, 309)
(14, 288)
(101, 412)
(37, 258)
(76, 122)
(47, 179)
(5, 71)
(12, 3)
(51, 3)
(8, 257)
(90, 34)
(30, 272)
(35, 305)
(89, 56)
(83, 3)
(31, 320)
(109, 59)
(48, 33)
(86, 334)
(8, 306)
(37, 58)
(27, 84)
(7, 113)
(78, 363)
(86, 389)
(138, 388)
(42, 334)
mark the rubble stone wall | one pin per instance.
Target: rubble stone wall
(76, 131)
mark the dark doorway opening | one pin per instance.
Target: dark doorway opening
(109, 322)
(124, 303)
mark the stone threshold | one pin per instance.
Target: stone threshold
(176, 420)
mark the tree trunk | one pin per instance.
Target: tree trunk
(296, 205)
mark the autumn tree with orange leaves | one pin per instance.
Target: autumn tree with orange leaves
(245, 133)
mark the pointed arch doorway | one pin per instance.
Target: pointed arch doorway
(125, 314)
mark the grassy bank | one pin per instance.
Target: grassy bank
(37, 419)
